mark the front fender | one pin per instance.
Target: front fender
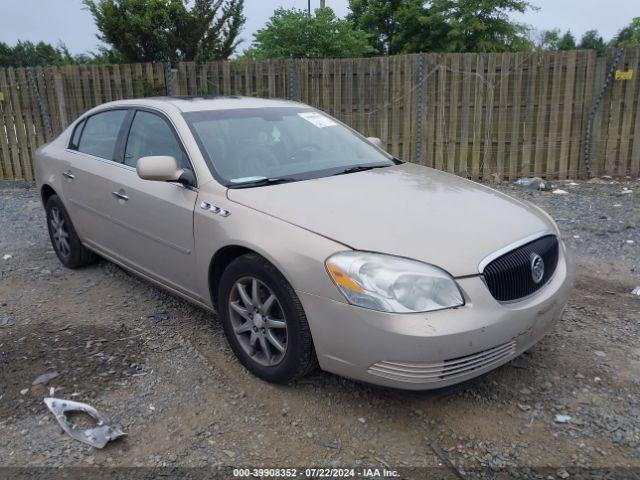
(297, 253)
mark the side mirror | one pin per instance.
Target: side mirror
(159, 168)
(376, 141)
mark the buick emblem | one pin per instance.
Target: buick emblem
(537, 268)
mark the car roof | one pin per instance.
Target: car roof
(198, 104)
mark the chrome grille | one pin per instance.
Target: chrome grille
(446, 370)
(509, 277)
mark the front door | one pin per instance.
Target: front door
(153, 220)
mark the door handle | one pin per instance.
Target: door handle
(120, 196)
(69, 175)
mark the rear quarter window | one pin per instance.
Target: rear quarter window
(75, 138)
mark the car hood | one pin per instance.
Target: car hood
(405, 210)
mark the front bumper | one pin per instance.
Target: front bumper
(434, 349)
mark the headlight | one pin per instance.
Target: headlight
(392, 284)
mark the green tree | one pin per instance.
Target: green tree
(5, 55)
(399, 26)
(167, 30)
(103, 56)
(591, 40)
(404, 26)
(567, 41)
(29, 54)
(294, 33)
(484, 25)
(548, 39)
(629, 35)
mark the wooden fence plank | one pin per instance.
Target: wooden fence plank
(628, 112)
(408, 116)
(441, 81)
(634, 163)
(6, 169)
(325, 85)
(529, 120)
(465, 109)
(13, 124)
(452, 130)
(372, 116)
(490, 162)
(612, 145)
(431, 99)
(6, 127)
(32, 132)
(384, 101)
(477, 116)
(552, 146)
(361, 94)
(579, 113)
(396, 96)
(32, 111)
(515, 140)
(567, 106)
(541, 120)
(22, 164)
(503, 111)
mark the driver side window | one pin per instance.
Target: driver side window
(150, 135)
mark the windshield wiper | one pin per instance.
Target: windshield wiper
(258, 182)
(360, 168)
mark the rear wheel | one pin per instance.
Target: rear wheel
(264, 321)
(64, 238)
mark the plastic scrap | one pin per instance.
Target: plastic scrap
(6, 257)
(97, 436)
(534, 183)
(562, 418)
(558, 191)
(636, 291)
(45, 377)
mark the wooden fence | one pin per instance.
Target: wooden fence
(477, 115)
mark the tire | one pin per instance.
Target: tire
(69, 250)
(299, 357)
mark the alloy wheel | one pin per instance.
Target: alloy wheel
(59, 232)
(258, 321)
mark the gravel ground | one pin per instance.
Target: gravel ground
(161, 369)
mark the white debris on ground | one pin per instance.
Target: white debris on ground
(558, 191)
(562, 418)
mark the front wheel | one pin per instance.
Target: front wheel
(264, 321)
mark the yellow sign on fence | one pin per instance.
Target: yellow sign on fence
(1, 96)
(624, 74)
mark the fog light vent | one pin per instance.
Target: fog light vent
(446, 370)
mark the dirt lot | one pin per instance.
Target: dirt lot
(161, 369)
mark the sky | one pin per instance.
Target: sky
(67, 20)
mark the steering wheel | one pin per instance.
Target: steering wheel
(306, 149)
(255, 160)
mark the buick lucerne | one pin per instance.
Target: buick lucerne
(314, 246)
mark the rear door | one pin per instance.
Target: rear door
(154, 220)
(89, 175)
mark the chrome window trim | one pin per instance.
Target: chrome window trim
(135, 107)
(512, 246)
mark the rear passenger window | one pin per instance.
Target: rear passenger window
(100, 134)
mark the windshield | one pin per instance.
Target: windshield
(249, 145)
